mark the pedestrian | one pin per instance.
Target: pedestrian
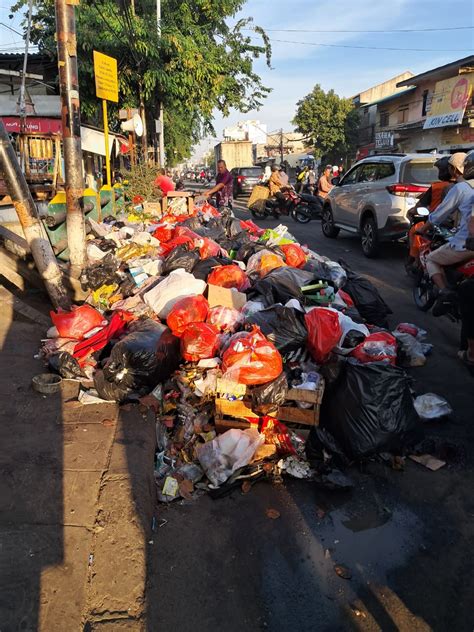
(324, 182)
(164, 182)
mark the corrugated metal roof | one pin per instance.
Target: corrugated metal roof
(390, 97)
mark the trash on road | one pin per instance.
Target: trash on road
(431, 406)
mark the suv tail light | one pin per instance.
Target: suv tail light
(407, 190)
(240, 179)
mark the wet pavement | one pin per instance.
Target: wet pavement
(404, 537)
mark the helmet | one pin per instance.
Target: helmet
(469, 166)
(442, 164)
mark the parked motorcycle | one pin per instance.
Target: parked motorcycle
(424, 291)
(310, 207)
(274, 207)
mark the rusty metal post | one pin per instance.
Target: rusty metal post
(71, 127)
(33, 229)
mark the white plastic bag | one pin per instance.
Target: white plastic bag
(347, 325)
(177, 285)
(431, 406)
(228, 452)
(411, 348)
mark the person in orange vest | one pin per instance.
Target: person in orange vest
(431, 199)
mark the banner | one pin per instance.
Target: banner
(450, 99)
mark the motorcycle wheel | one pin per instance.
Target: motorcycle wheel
(423, 294)
(258, 214)
(300, 216)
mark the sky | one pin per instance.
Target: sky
(296, 68)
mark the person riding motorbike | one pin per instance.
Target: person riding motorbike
(431, 199)
(276, 186)
(301, 179)
(460, 197)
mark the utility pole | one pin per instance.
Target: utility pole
(281, 145)
(22, 107)
(71, 128)
(33, 229)
(162, 123)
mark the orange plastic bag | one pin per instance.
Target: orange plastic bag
(77, 322)
(229, 276)
(324, 332)
(199, 341)
(263, 262)
(251, 359)
(191, 309)
(294, 255)
(209, 248)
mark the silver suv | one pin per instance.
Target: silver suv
(372, 199)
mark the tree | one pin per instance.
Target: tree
(199, 63)
(329, 121)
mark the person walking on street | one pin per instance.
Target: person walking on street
(324, 182)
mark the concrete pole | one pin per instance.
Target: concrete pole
(71, 127)
(161, 137)
(33, 229)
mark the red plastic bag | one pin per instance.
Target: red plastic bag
(378, 347)
(116, 327)
(191, 309)
(208, 208)
(346, 298)
(77, 322)
(294, 255)
(164, 233)
(277, 434)
(209, 248)
(225, 319)
(199, 341)
(229, 276)
(251, 359)
(251, 227)
(167, 247)
(324, 332)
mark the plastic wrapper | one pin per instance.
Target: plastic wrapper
(143, 358)
(199, 341)
(180, 257)
(294, 255)
(229, 277)
(66, 365)
(411, 352)
(263, 262)
(378, 347)
(368, 410)
(413, 330)
(324, 332)
(177, 285)
(267, 397)
(431, 406)
(277, 434)
(367, 299)
(227, 453)
(283, 326)
(191, 309)
(225, 319)
(281, 285)
(76, 323)
(251, 359)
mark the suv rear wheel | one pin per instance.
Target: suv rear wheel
(369, 237)
(327, 223)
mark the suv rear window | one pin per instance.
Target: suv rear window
(420, 172)
(253, 171)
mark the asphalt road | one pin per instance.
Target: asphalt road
(406, 536)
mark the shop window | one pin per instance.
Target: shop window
(403, 115)
(424, 108)
(384, 118)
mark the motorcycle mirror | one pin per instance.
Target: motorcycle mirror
(335, 181)
(422, 211)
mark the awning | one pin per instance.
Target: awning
(450, 99)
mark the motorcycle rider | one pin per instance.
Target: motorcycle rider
(276, 185)
(324, 182)
(460, 197)
(224, 186)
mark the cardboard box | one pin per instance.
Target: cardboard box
(225, 297)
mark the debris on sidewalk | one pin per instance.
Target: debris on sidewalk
(240, 341)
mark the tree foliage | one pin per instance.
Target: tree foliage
(197, 65)
(329, 121)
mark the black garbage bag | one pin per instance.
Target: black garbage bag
(146, 356)
(352, 338)
(110, 391)
(281, 285)
(251, 247)
(193, 223)
(180, 257)
(101, 273)
(368, 410)
(203, 268)
(283, 326)
(267, 397)
(233, 227)
(65, 365)
(319, 270)
(366, 297)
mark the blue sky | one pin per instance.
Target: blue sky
(296, 68)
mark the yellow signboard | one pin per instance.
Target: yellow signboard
(450, 99)
(106, 80)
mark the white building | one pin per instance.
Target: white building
(251, 130)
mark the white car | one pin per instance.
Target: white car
(372, 199)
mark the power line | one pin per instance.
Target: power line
(417, 50)
(426, 30)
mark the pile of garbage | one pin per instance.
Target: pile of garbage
(231, 334)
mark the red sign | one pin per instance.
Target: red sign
(34, 125)
(460, 94)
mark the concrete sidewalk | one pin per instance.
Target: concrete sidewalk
(78, 497)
